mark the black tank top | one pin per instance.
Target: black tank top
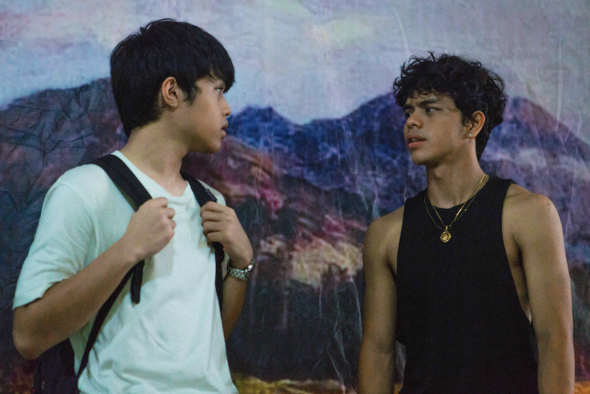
(458, 309)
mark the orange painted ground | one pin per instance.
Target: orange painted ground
(251, 385)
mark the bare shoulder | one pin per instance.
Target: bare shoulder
(389, 222)
(386, 227)
(527, 213)
(521, 202)
(382, 239)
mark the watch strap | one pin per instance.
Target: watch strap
(240, 274)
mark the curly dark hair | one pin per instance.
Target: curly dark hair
(471, 86)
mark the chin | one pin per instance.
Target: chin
(423, 160)
(214, 149)
(206, 149)
(419, 159)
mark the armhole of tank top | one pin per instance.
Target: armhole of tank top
(407, 211)
(505, 184)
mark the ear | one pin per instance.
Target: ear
(170, 93)
(474, 125)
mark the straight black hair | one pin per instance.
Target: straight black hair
(163, 48)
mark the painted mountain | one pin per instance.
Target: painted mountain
(305, 195)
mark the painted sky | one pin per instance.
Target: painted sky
(315, 58)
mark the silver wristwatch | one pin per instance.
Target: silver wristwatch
(240, 274)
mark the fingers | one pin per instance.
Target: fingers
(151, 228)
(159, 202)
(221, 224)
(212, 206)
(213, 212)
(215, 236)
(225, 231)
(212, 216)
(210, 226)
(169, 212)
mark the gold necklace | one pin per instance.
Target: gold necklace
(446, 234)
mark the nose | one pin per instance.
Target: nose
(226, 108)
(413, 121)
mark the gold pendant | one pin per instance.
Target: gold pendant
(445, 236)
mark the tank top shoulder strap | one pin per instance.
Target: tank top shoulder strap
(412, 206)
(495, 190)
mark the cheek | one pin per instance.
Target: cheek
(441, 141)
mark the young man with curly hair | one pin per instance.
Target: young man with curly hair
(169, 81)
(470, 269)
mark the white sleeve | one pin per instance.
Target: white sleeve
(62, 243)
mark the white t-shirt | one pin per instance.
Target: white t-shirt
(172, 341)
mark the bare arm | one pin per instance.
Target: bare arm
(68, 305)
(377, 356)
(221, 224)
(234, 291)
(540, 239)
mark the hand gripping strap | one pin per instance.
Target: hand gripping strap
(203, 196)
(122, 176)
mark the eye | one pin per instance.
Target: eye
(430, 110)
(407, 114)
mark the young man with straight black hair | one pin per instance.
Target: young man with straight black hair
(465, 269)
(169, 81)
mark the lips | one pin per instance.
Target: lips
(414, 141)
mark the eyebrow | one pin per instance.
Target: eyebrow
(221, 83)
(422, 103)
(215, 78)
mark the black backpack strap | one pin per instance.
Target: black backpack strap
(203, 196)
(124, 178)
(100, 318)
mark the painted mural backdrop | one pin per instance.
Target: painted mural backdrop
(314, 153)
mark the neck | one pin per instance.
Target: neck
(159, 157)
(452, 184)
